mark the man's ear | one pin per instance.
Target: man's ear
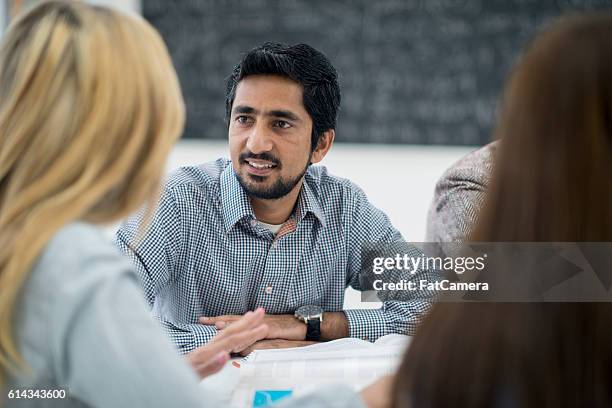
(325, 143)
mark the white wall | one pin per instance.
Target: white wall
(125, 5)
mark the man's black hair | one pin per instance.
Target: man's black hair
(300, 63)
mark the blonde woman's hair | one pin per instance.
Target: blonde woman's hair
(89, 108)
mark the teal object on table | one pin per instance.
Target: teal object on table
(266, 398)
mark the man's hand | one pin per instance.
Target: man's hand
(245, 331)
(275, 344)
(279, 326)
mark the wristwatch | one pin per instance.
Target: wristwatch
(312, 315)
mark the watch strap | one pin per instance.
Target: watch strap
(313, 330)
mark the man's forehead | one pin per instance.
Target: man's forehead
(269, 93)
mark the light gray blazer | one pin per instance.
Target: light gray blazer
(458, 196)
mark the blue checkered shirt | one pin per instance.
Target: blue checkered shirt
(205, 254)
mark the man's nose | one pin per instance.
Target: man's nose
(259, 140)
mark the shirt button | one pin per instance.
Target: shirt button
(275, 244)
(253, 223)
(269, 289)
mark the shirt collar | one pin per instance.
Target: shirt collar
(236, 204)
(308, 202)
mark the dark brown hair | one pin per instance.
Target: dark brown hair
(552, 182)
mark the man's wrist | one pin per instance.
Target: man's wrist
(303, 329)
(334, 326)
(286, 327)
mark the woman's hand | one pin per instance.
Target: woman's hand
(210, 358)
(378, 394)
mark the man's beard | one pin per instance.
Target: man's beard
(279, 189)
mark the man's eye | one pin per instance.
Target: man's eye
(282, 124)
(243, 120)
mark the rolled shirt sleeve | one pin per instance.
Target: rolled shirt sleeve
(187, 337)
(393, 317)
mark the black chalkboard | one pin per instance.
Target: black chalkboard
(424, 72)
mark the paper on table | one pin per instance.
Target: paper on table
(350, 361)
(391, 340)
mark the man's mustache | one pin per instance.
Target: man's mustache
(261, 156)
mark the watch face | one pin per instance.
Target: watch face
(309, 310)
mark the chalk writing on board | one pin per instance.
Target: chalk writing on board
(411, 71)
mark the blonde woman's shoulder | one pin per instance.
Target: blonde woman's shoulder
(81, 254)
